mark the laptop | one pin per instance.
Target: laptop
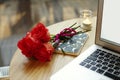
(4, 65)
(101, 61)
(5, 58)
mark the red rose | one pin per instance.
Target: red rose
(29, 46)
(40, 32)
(45, 52)
(36, 44)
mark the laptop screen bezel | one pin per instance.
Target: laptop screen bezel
(98, 39)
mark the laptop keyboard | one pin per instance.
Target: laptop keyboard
(104, 63)
(4, 72)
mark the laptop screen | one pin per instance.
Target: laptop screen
(108, 24)
(111, 22)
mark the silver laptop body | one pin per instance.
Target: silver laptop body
(4, 72)
(102, 60)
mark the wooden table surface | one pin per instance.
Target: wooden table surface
(22, 68)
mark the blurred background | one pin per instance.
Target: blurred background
(18, 16)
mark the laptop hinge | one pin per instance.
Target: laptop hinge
(111, 50)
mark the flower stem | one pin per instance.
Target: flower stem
(76, 27)
(72, 25)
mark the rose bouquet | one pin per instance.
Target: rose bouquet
(36, 44)
(39, 44)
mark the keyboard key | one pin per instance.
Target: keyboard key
(98, 65)
(104, 68)
(94, 55)
(93, 63)
(82, 63)
(92, 58)
(88, 66)
(112, 58)
(93, 68)
(117, 73)
(107, 56)
(106, 59)
(118, 60)
(97, 51)
(112, 62)
(105, 63)
(117, 64)
(109, 53)
(101, 58)
(99, 61)
(100, 71)
(111, 76)
(115, 56)
(102, 54)
(110, 65)
(87, 61)
(110, 70)
(116, 68)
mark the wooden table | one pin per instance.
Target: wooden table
(22, 68)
